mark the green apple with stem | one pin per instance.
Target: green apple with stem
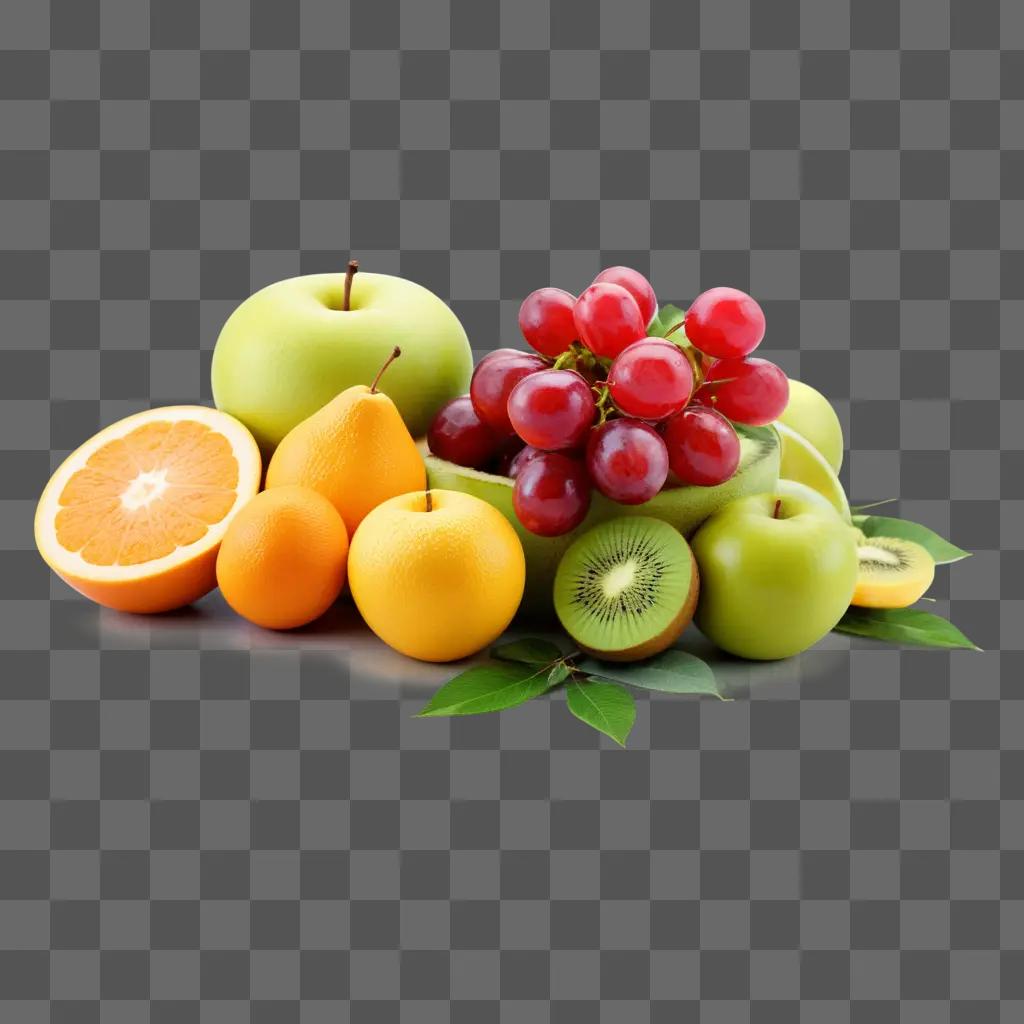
(811, 415)
(289, 349)
(795, 489)
(777, 573)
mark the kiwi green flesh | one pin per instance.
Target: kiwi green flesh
(627, 588)
(685, 508)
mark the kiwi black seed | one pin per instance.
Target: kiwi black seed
(627, 589)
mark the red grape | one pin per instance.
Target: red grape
(752, 391)
(651, 379)
(725, 323)
(608, 319)
(551, 494)
(509, 448)
(627, 461)
(545, 318)
(552, 410)
(500, 353)
(520, 459)
(493, 380)
(459, 435)
(702, 446)
(636, 284)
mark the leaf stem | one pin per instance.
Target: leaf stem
(873, 504)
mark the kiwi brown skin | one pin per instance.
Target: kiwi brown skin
(668, 636)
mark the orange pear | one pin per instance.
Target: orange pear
(356, 451)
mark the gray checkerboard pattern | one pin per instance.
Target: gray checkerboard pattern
(198, 823)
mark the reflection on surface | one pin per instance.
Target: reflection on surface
(212, 625)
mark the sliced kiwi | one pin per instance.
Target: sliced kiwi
(627, 588)
(893, 572)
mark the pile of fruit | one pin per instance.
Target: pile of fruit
(638, 470)
(606, 405)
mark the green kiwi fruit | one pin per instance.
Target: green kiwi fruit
(893, 573)
(627, 588)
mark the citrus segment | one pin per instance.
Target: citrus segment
(133, 518)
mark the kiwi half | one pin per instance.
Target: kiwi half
(627, 589)
(893, 572)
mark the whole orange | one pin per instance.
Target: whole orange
(436, 583)
(282, 561)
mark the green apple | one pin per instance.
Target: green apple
(290, 348)
(795, 489)
(810, 414)
(776, 574)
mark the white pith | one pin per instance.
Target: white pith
(144, 489)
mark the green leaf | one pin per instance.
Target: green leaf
(485, 688)
(903, 626)
(671, 672)
(664, 320)
(528, 651)
(558, 674)
(886, 526)
(606, 707)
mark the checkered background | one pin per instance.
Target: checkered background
(200, 823)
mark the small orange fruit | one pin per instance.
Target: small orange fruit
(437, 582)
(282, 562)
(133, 518)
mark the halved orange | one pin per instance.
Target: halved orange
(134, 517)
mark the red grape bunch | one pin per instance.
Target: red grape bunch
(603, 402)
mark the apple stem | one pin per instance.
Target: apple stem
(350, 272)
(775, 511)
(395, 353)
(430, 501)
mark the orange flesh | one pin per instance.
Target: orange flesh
(141, 496)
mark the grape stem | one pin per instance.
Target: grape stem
(696, 366)
(604, 406)
(350, 272)
(575, 357)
